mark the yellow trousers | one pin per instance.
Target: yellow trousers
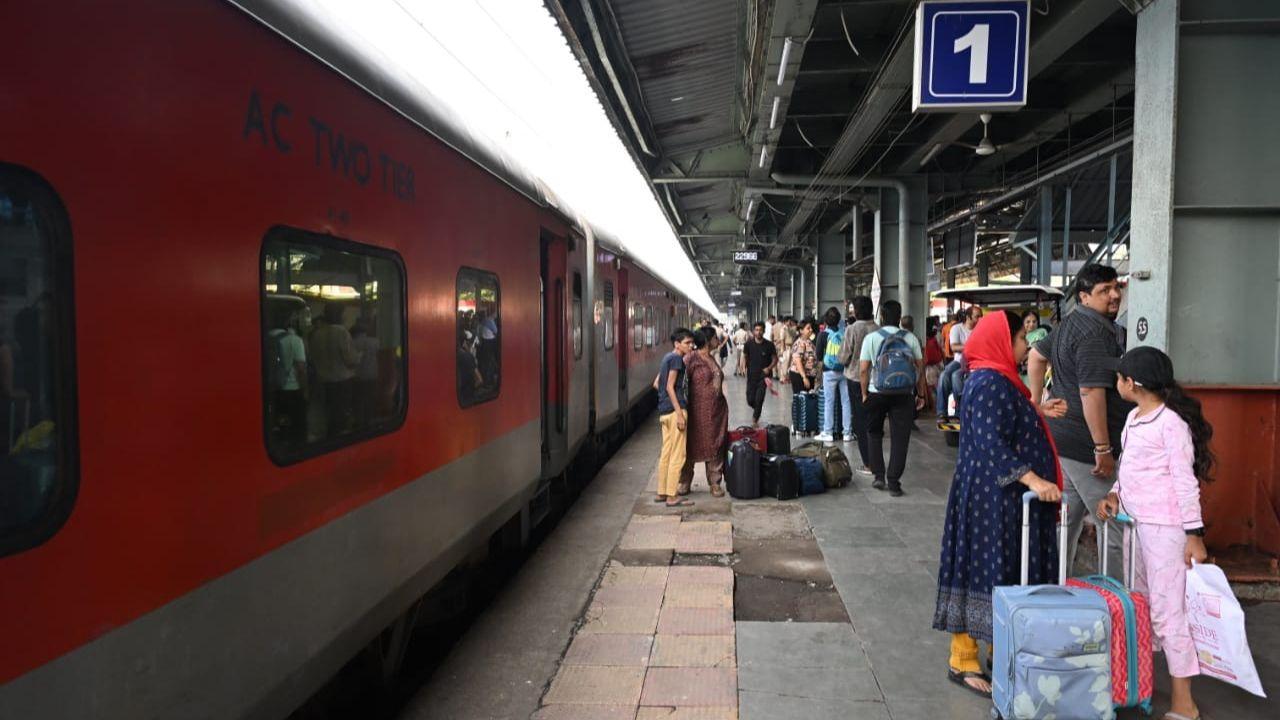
(671, 461)
(964, 653)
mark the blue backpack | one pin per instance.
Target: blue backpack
(894, 372)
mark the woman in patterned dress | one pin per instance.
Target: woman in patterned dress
(1005, 449)
(708, 413)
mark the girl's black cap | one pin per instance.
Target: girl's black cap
(1147, 366)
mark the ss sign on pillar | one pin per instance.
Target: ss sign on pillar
(971, 55)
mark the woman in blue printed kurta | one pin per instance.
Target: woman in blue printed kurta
(1004, 451)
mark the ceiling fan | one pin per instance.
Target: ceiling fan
(984, 147)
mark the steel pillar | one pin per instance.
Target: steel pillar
(831, 261)
(1044, 244)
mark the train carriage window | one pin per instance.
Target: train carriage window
(637, 326)
(576, 316)
(608, 315)
(648, 326)
(479, 340)
(333, 343)
(38, 470)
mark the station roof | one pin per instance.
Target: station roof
(723, 101)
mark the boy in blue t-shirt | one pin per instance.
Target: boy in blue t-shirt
(673, 397)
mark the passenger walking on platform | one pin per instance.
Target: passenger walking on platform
(893, 389)
(949, 382)
(780, 344)
(708, 423)
(835, 386)
(1081, 352)
(740, 337)
(759, 359)
(335, 358)
(1005, 449)
(851, 355)
(1166, 457)
(673, 399)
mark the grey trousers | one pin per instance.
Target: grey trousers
(1082, 493)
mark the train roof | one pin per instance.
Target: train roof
(308, 30)
(1002, 294)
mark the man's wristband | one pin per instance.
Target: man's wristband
(1101, 449)
(1198, 532)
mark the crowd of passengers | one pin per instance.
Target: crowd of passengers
(1018, 433)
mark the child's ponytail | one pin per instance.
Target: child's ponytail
(1188, 408)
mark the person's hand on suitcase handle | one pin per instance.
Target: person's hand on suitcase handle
(1044, 490)
(1108, 507)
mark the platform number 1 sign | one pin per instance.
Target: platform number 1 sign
(971, 55)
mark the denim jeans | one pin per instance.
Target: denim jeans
(950, 376)
(860, 421)
(833, 380)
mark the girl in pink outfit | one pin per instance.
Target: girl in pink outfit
(1166, 457)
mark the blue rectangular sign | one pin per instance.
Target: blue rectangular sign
(971, 55)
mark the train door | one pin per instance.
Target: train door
(555, 397)
(624, 348)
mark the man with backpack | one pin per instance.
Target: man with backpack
(850, 353)
(892, 370)
(830, 343)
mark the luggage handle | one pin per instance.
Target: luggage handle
(1132, 527)
(1025, 552)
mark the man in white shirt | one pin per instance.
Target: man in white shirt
(291, 382)
(951, 379)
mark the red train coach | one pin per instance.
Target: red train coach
(281, 344)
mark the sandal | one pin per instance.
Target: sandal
(660, 499)
(962, 679)
(717, 491)
(679, 503)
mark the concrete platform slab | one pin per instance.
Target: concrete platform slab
(699, 595)
(618, 574)
(774, 600)
(673, 713)
(694, 651)
(799, 645)
(585, 712)
(691, 687)
(701, 575)
(596, 686)
(695, 621)
(607, 650)
(643, 596)
(771, 706)
(620, 620)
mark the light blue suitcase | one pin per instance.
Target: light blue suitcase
(1051, 652)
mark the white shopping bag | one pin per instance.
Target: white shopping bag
(1217, 626)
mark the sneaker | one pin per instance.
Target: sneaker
(896, 491)
(824, 437)
(865, 471)
(878, 484)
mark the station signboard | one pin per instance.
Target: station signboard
(746, 256)
(971, 55)
(771, 291)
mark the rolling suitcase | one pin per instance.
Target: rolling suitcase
(1132, 682)
(779, 478)
(804, 412)
(1051, 650)
(742, 476)
(777, 439)
(810, 471)
(758, 438)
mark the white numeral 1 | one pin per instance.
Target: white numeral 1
(976, 41)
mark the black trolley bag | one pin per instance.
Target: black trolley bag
(779, 477)
(742, 476)
(778, 439)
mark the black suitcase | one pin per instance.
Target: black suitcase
(777, 439)
(779, 477)
(742, 476)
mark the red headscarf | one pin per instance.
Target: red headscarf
(990, 347)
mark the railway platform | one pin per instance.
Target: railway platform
(815, 608)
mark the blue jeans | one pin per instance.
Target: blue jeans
(831, 381)
(950, 376)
